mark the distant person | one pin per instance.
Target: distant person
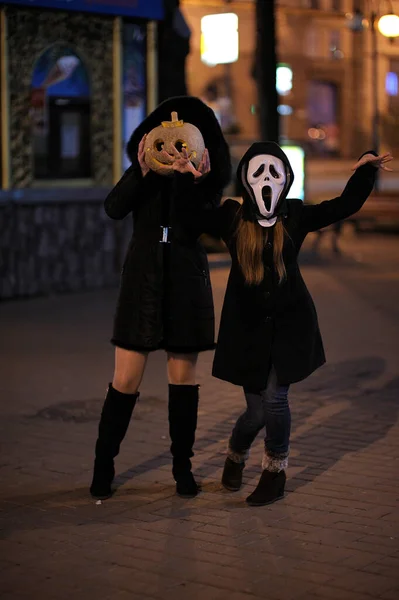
(179, 155)
(269, 335)
(336, 230)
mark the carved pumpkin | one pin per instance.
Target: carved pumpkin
(169, 133)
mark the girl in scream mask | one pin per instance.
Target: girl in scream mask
(269, 336)
(165, 299)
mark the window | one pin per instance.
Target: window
(390, 118)
(335, 44)
(60, 115)
(391, 87)
(312, 42)
(323, 132)
(391, 84)
(311, 3)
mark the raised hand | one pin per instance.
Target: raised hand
(205, 165)
(141, 154)
(182, 163)
(378, 162)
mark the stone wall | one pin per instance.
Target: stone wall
(30, 32)
(58, 244)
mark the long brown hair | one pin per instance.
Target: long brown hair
(251, 240)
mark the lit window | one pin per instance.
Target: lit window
(219, 39)
(391, 84)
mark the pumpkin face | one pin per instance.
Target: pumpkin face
(165, 136)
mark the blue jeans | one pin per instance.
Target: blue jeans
(268, 408)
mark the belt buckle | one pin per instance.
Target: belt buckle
(164, 239)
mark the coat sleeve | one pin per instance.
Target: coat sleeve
(121, 199)
(197, 209)
(355, 194)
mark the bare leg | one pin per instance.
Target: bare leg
(129, 370)
(182, 368)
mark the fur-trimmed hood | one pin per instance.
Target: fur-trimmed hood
(191, 110)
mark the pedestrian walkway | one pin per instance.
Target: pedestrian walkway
(334, 536)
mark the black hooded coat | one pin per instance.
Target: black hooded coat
(271, 323)
(165, 298)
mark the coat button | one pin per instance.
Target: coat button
(269, 245)
(268, 319)
(267, 294)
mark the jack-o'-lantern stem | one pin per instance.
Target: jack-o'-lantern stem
(174, 122)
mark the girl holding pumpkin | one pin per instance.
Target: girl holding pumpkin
(165, 300)
(269, 336)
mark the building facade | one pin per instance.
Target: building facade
(328, 106)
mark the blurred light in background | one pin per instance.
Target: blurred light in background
(391, 84)
(296, 156)
(284, 109)
(316, 133)
(388, 25)
(219, 39)
(283, 79)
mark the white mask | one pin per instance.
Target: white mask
(267, 177)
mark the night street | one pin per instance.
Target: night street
(334, 536)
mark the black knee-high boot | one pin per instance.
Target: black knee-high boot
(183, 410)
(115, 418)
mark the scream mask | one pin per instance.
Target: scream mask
(173, 133)
(266, 176)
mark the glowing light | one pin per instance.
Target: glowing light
(219, 39)
(388, 25)
(314, 133)
(296, 156)
(391, 84)
(284, 109)
(283, 79)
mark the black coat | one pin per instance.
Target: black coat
(165, 298)
(274, 323)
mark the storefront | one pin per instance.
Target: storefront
(77, 77)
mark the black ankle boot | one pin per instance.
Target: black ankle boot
(115, 418)
(269, 489)
(232, 475)
(183, 409)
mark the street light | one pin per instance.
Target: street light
(388, 26)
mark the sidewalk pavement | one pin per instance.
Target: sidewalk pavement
(334, 536)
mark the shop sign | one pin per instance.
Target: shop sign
(127, 8)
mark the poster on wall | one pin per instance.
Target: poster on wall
(58, 72)
(134, 82)
(59, 76)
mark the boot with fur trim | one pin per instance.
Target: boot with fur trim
(271, 485)
(233, 469)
